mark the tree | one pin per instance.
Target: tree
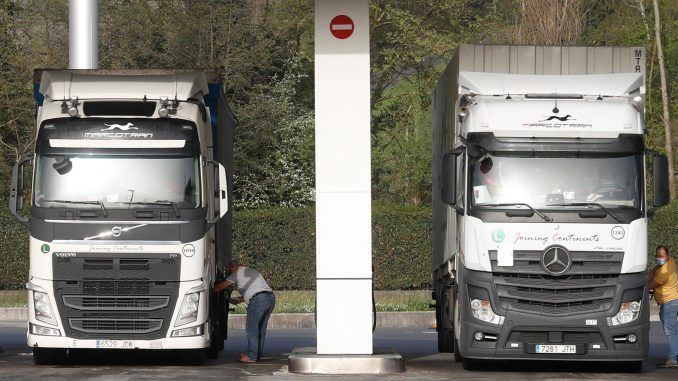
(556, 22)
(666, 116)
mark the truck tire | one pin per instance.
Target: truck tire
(455, 319)
(49, 356)
(213, 350)
(457, 354)
(445, 335)
(191, 356)
(216, 323)
(469, 364)
(631, 366)
(445, 340)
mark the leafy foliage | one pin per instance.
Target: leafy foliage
(13, 251)
(264, 50)
(280, 243)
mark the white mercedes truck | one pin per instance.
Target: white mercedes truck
(540, 204)
(129, 215)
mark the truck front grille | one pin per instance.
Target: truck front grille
(588, 286)
(116, 296)
(83, 302)
(113, 326)
(115, 287)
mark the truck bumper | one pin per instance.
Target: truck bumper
(521, 332)
(192, 342)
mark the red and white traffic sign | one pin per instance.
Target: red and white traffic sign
(342, 27)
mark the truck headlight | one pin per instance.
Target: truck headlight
(482, 310)
(43, 308)
(43, 331)
(188, 312)
(628, 312)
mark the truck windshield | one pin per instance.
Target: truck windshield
(553, 183)
(116, 182)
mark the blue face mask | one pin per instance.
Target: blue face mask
(660, 261)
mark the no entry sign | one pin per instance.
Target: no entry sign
(342, 27)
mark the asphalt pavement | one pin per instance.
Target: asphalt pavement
(417, 345)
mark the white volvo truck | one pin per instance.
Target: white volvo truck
(129, 212)
(540, 207)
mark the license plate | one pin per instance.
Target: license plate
(540, 348)
(115, 344)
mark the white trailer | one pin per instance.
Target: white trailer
(129, 212)
(540, 210)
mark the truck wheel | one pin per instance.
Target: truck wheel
(457, 353)
(469, 364)
(445, 340)
(215, 340)
(445, 335)
(191, 356)
(631, 366)
(49, 356)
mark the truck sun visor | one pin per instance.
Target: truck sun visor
(61, 136)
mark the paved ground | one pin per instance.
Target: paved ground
(418, 347)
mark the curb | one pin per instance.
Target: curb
(14, 314)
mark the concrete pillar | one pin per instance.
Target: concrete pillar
(343, 179)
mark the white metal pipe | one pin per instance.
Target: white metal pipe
(83, 34)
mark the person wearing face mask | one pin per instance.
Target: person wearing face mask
(664, 281)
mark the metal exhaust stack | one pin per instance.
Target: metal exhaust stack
(83, 34)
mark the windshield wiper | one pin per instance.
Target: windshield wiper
(540, 214)
(101, 204)
(606, 210)
(159, 202)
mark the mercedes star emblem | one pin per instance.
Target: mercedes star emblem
(556, 260)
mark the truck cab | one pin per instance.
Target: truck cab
(540, 207)
(127, 196)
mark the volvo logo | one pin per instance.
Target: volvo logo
(116, 231)
(556, 260)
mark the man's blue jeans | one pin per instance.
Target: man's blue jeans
(258, 312)
(668, 313)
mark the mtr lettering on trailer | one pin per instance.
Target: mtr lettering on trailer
(638, 56)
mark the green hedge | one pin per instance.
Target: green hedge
(280, 243)
(13, 250)
(664, 230)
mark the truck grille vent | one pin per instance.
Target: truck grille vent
(560, 308)
(115, 288)
(115, 326)
(583, 263)
(82, 302)
(117, 295)
(588, 286)
(536, 337)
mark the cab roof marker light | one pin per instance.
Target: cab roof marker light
(163, 111)
(638, 102)
(72, 108)
(168, 107)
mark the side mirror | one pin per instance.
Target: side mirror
(220, 191)
(448, 191)
(16, 193)
(660, 180)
